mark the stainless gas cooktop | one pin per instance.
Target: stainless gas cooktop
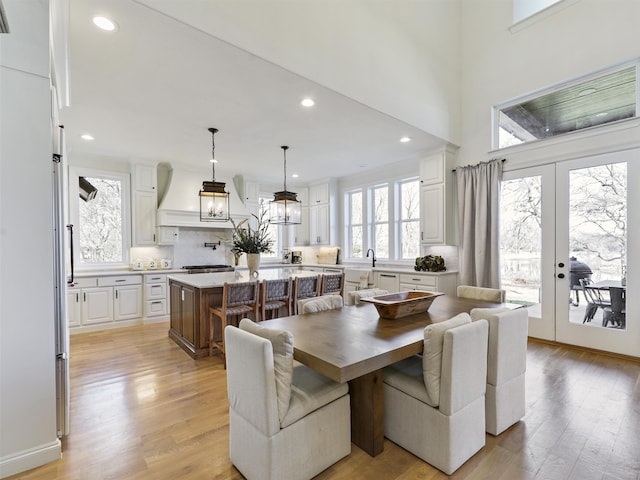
(207, 268)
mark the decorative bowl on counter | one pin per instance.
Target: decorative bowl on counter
(402, 304)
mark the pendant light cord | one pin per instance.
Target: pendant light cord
(284, 148)
(213, 153)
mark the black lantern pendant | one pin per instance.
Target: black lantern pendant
(285, 208)
(214, 200)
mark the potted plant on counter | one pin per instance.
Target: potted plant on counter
(252, 241)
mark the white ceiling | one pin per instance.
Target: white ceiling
(149, 91)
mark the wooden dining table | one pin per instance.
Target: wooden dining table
(353, 344)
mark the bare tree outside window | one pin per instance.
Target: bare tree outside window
(410, 219)
(356, 227)
(101, 223)
(381, 220)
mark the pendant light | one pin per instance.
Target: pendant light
(285, 208)
(214, 200)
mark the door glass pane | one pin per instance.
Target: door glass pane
(598, 244)
(521, 240)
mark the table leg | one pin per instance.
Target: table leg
(367, 412)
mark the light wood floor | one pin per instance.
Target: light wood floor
(142, 409)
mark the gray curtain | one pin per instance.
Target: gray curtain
(478, 190)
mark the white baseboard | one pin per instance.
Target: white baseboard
(32, 458)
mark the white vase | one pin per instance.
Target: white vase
(253, 262)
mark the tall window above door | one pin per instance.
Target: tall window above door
(380, 220)
(591, 101)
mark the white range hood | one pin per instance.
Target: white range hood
(180, 204)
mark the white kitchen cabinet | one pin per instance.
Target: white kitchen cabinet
(432, 211)
(301, 231)
(97, 305)
(319, 194)
(425, 282)
(437, 215)
(74, 308)
(319, 225)
(127, 302)
(387, 281)
(251, 192)
(144, 218)
(145, 178)
(167, 235)
(155, 295)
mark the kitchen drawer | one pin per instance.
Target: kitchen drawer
(155, 278)
(155, 291)
(86, 282)
(155, 308)
(422, 280)
(121, 280)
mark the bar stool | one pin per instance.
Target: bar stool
(332, 284)
(275, 294)
(238, 299)
(305, 288)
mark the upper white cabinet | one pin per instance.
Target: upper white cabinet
(251, 192)
(322, 213)
(145, 204)
(437, 214)
(319, 194)
(145, 178)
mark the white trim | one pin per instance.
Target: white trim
(541, 15)
(31, 458)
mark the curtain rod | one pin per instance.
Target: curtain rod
(503, 160)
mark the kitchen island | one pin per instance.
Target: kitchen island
(191, 295)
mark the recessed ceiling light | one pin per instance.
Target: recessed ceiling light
(213, 160)
(295, 175)
(405, 139)
(307, 102)
(587, 91)
(86, 136)
(105, 23)
(362, 165)
(602, 114)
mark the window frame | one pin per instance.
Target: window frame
(75, 172)
(349, 224)
(400, 221)
(498, 108)
(393, 218)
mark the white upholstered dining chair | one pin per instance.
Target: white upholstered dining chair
(434, 403)
(506, 366)
(482, 293)
(322, 304)
(285, 422)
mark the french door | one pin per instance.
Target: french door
(568, 221)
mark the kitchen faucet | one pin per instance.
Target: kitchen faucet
(373, 259)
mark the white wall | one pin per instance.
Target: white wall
(399, 57)
(499, 65)
(27, 354)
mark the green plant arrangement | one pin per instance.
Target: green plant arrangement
(251, 240)
(430, 263)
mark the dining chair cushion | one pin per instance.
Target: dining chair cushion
(358, 295)
(282, 344)
(310, 391)
(320, 304)
(408, 377)
(481, 293)
(432, 355)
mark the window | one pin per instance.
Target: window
(409, 218)
(605, 97)
(354, 233)
(380, 220)
(274, 229)
(99, 207)
(385, 217)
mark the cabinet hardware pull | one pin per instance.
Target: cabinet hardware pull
(84, 296)
(121, 280)
(182, 292)
(415, 279)
(387, 275)
(153, 303)
(77, 297)
(116, 294)
(155, 278)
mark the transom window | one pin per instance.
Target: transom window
(605, 97)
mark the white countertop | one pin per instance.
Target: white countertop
(213, 280)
